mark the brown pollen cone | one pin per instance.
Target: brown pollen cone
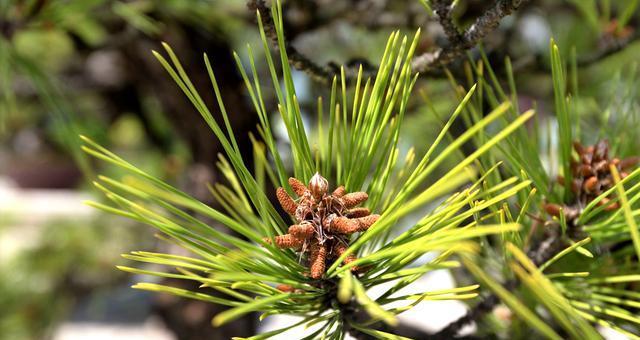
(298, 187)
(302, 231)
(285, 241)
(352, 199)
(339, 249)
(343, 225)
(591, 177)
(324, 221)
(317, 260)
(366, 221)
(339, 192)
(287, 203)
(358, 212)
(285, 288)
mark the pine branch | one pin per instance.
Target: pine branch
(543, 252)
(353, 313)
(296, 59)
(613, 47)
(428, 63)
(535, 63)
(467, 40)
(484, 307)
(443, 9)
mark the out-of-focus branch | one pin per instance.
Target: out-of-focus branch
(297, 59)
(613, 47)
(544, 251)
(478, 30)
(442, 9)
(536, 62)
(427, 63)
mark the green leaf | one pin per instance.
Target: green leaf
(624, 202)
(549, 296)
(345, 288)
(564, 252)
(374, 309)
(562, 114)
(379, 334)
(510, 300)
(627, 13)
(257, 304)
(183, 293)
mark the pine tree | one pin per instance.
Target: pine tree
(566, 241)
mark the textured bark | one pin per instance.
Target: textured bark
(461, 42)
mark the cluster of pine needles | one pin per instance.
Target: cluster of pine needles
(385, 212)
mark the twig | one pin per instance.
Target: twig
(543, 252)
(353, 313)
(485, 306)
(296, 59)
(442, 9)
(482, 26)
(427, 63)
(613, 47)
(536, 63)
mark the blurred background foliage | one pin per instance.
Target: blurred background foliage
(84, 66)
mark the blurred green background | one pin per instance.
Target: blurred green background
(70, 67)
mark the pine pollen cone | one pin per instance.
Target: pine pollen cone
(317, 260)
(324, 221)
(592, 176)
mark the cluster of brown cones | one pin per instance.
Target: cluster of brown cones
(324, 222)
(613, 31)
(591, 177)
